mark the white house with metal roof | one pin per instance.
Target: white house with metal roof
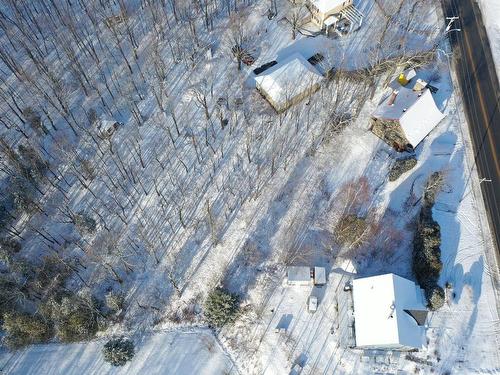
(389, 313)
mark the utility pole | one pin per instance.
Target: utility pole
(484, 180)
(448, 27)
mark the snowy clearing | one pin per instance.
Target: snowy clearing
(462, 336)
(175, 352)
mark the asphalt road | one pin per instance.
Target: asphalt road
(480, 91)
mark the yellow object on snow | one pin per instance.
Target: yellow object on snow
(403, 80)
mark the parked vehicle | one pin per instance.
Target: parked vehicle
(312, 304)
(316, 58)
(347, 287)
(108, 128)
(264, 67)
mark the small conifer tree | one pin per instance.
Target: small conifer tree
(221, 307)
(118, 351)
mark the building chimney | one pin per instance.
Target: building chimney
(419, 85)
(392, 99)
(391, 315)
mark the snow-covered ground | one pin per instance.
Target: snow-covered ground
(174, 352)
(272, 185)
(490, 10)
(462, 336)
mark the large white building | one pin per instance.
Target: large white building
(389, 313)
(288, 82)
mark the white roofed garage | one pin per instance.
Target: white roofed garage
(288, 82)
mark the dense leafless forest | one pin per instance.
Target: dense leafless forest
(130, 140)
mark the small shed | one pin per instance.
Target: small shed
(319, 276)
(108, 127)
(299, 275)
(406, 76)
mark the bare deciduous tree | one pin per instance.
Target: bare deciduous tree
(237, 42)
(296, 18)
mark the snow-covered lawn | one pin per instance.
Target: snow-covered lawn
(462, 336)
(174, 352)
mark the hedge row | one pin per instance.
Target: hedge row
(427, 263)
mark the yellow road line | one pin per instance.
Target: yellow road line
(483, 110)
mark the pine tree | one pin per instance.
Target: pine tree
(8, 249)
(76, 317)
(427, 264)
(221, 307)
(115, 301)
(118, 351)
(10, 245)
(85, 223)
(435, 297)
(24, 329)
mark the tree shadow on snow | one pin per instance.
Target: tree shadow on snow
(404, 201)
(241, 274)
